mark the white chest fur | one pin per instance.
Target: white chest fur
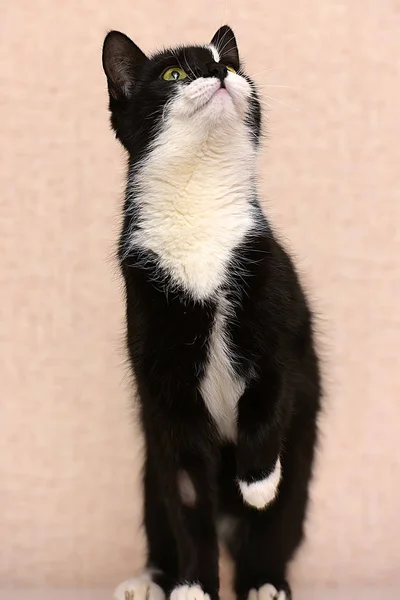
(193, 208)
(221, 388)
(191, 195)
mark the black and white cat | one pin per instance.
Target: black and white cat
(218, 329)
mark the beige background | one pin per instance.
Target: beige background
(69, 452)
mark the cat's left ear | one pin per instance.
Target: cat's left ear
(122, 62)
(225, 43)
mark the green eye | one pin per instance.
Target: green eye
(231, 69)
(174, 74)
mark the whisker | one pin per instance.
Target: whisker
(265, 104)
(179, 62)
(224, 13)
(277, 85)
(219, 41)
(225, 45)
(189, 67)
(281, 102)
(266, 71)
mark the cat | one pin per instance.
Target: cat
(219, 332)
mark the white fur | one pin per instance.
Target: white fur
(261, 493)
(139, 588)
(188, 592)
(267, 592)
(221, 388)
(192, 189)
(214, 52)
(192, 197)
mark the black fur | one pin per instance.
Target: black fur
(168, 335)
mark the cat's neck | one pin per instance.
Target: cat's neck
(193, 197)
(184, 165)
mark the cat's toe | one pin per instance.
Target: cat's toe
(189, 592)
(139, 588)
(268, 592)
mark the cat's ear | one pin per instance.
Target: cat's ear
(122, 60)
(225, 43)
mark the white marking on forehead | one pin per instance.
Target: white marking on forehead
(214, 52)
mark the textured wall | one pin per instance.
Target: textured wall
(69, 453)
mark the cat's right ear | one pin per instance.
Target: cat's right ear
(122, 60)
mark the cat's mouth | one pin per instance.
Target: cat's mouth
(221, 94)
(208, 97)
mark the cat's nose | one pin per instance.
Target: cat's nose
(217, 70)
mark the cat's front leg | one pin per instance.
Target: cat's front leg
(184, 459)
(262, 417)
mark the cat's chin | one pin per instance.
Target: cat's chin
(219, 113)
(219, 106)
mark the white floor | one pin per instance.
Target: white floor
(377, 593)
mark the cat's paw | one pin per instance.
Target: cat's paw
(261, 493)
(188, 592)
(269, 592)
(139, 588)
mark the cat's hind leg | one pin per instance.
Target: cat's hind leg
(161, 573)
(274, 468)
(263, 541)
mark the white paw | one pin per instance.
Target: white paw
(260, 493)
(139, 588)
(189, 592)
(267, 592)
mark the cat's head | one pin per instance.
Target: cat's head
(200, 88)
